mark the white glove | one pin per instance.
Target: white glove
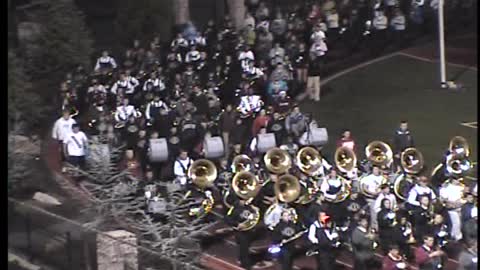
(315, 241)
(183, 180)
(407, 232)
(334, 235)
(148, 194)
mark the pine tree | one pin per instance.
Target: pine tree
(65, 41)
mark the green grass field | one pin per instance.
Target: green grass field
(372, 100)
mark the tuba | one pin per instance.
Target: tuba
(412, 163)
(380, 154)
(203, 173)
(459, 145)
(309, 191)
(363, 186)
(309, 161)
(345, 159)
(277, 161)
(287, 189)
(344, 192)
(241, 163)
(246, 185)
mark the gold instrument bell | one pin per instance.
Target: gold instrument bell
(459, 145)
(345, 159)
(277, 161)
(287, 188)
(241, 163)
(379, 154)
(246, 185)
(412, 160)
(309, 161)
(203, 173)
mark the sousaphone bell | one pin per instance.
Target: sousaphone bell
(412, 163)
(379, 154)
(309, 161)
(277, 161)
(345, 159)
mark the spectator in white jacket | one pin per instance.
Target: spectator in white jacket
(61, 128)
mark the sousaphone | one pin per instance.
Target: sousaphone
(309, 161)
(287, 189)
(246, 185)
(277, 161)
(345, 159)
(241, 163)
(379, 154)
(203, 174)
(412, 163)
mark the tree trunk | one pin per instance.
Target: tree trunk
(237, 10)
(181, 11)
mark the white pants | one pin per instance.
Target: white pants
(456, 231)
(313, 87)
(373, 213)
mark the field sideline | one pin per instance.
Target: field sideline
(372, 98)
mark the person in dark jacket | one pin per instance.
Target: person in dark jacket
(363, 245)
(313, 80)
(227, 121)
(386, 221)
(285, 231)
(401, 141)
(422, 217)
(240, 136)
(277, 127)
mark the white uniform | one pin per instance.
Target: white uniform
(250, 104)
(398, 23)
(192, 56)
(104, 61)
(453, 193)
(245, 58)
(380, 22)
(76, 144)
(62, 127)
(156, 83)
(180, 169)
(417, 191)
(124, 112)
(325, 186)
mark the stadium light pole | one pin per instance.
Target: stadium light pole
(441, 40)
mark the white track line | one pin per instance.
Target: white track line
(364, 64)
(435, 61)
(470, 124)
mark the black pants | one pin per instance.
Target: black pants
(243, 241)
(361, 263)
(325, 260)
(286, 257)
(77, 161)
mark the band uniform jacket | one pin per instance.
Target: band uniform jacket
(402, 140)
(362, 246)
(421, 218)
(284, 231)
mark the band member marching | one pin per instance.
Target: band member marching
(124, 112)
(240, 217)
(420, 189)
(325, 241)
(452, 195)
(401, 141)
(181, 166)
(363, 243)
(284, 234)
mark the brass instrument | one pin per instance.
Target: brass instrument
(246, 185)
(309, 161)
(345, 159)
(241, 163)
(363, 186)
(203, 173)
(412, 163)
(379, 154)
(287, 189)
(250, 221)
(459, 145)
(277, 161)
(309, 191)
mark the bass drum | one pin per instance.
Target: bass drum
(402, 185)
